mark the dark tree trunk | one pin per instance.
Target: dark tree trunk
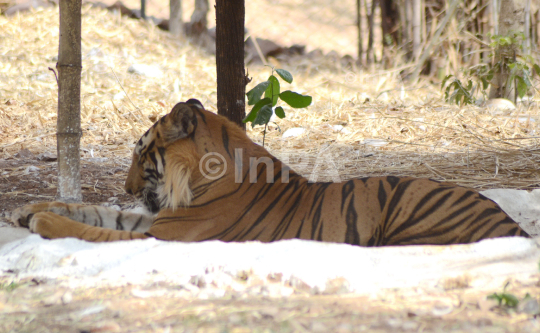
(370, 56)
(143, 9)
(68, 129)
(390, 27)
(231, 77)
(359, 26)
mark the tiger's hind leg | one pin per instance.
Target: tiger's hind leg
(51, 225)
(422, 211)
(97, 216)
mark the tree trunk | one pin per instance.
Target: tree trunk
(390, 28)
(485, 15)
(68, 130)
(407, 29)
(198, 23)
(176, 25)
(370, 57)
(359, 27)
(511, 21)
(434, 39)
(527, 26)
(143, 9)
(417, 27)
(231, 77)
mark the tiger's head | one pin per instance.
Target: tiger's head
(166, 163)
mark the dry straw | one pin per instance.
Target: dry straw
(360, 124)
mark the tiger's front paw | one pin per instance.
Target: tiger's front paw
(40, 224)
(21, 216)
(51, 225)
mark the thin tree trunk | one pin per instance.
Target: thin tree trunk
(527, 27)
(485, 27)
(511, 21)
(403, 10)
(198, 23)
(359, 26)
(390, 28)
(435, 39)
(534, 23)
(68, 128)
(143, 9)
(417, 27)
(231, 76)
(370, 14)
(407, 29)
(495, 5)
(176, 25)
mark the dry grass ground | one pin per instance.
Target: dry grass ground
(389, 127)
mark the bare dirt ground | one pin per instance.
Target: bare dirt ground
(28, 180)
(36, 306)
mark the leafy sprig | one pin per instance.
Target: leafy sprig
(265, 107)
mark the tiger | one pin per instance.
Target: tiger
(253, 201)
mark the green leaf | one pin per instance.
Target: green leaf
(536, 69)
(485, 83)
(295, 100)
(447, 93)
(490, 74)
(263, 117)
(272, 92)
(285, 75)
(254, 95)
(526, 79)
(510, 300)
(253, 113)
(445, 79)
(280, 112)
(521, 86)
(495, 297)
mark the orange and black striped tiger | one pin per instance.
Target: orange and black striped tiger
(247, 197)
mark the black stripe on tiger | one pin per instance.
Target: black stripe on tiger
(225, 138)
(413, 220)
(381, 195)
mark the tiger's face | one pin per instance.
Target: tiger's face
(161, 165)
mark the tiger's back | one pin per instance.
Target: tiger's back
(375, 211)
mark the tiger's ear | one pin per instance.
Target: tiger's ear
(195, 102)
(179, 123)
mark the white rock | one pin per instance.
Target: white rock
(522, 206)
(524, 119)
(30, 168)
(119, 96)
(341, 129)
(375, 142)
(145, 70)
(500, 104)
(293, 132)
